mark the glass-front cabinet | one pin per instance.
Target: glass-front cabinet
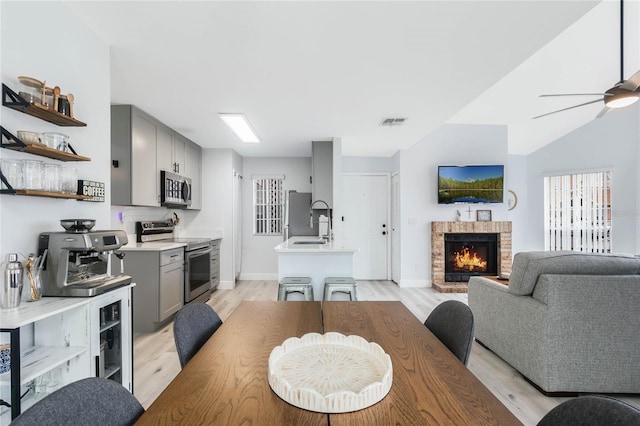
(62, 340)
(112, 345)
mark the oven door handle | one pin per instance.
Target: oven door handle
(191, 254)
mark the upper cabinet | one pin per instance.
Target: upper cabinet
(178, 154)
(322, 172)
(136, 140)
(134, 180)
(193, 170)
(164, 149)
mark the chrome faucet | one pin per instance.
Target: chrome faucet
(329, 236)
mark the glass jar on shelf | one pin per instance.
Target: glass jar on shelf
(34, 175)
(13, 171)
(69, 180)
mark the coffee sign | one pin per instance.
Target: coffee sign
(95, 190)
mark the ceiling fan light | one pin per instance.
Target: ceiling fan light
(621, 100)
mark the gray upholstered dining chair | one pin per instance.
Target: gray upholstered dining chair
(592, 410)
(192, 327)
(452, 323)
(90, 401)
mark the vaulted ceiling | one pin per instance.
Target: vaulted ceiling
(304, 71)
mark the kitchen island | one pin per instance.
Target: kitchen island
(311, 257)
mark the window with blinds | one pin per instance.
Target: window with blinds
(268, 206)
(578, 212)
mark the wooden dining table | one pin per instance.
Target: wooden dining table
(226, 382)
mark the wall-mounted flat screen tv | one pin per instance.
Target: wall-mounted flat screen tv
(470, 184)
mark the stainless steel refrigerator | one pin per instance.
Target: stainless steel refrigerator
(296, 215)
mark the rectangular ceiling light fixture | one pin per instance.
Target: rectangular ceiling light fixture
(240, 126)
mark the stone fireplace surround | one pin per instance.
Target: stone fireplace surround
(438, 229)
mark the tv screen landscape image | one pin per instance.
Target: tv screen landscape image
(470, 184)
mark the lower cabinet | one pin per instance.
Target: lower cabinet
(215, 264)
(159, 290)
(171, 288)
(112, 346)
(59, 342)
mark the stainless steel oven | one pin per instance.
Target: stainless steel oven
(198, 270)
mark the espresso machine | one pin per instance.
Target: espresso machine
(80, 264)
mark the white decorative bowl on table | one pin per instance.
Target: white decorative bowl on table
(330, 373)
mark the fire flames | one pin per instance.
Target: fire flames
(466, 260)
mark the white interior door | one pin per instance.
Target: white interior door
(395, 228)
(366, 224)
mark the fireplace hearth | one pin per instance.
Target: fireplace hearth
(471, 263)
(468, 255)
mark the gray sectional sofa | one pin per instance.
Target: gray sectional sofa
(568, 321)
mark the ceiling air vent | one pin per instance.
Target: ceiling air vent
(393, 122)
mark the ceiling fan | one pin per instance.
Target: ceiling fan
(622, 94)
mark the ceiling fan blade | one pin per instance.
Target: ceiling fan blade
(573, 94)
(633, 83)
(572, 107)
(603, 112)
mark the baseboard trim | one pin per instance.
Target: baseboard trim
(226, 285)
(260, 276)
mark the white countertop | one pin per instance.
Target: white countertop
(151, 246)
(28, 312)
(290, 246)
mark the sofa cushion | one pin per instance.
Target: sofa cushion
(528, 266)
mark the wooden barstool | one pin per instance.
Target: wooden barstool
(341, 285)
(295, 285)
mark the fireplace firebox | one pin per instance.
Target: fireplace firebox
(470, 254)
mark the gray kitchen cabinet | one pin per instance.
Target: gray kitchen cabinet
(159, 290)
(142, 147)
(215, 264)
(193, 170)
(179, 146)
(322, 172)
(164, 150)
(171, 289)
(134, 179)
(171, 151)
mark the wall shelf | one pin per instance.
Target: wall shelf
(36, 193)
(12, 100)
(9, 141)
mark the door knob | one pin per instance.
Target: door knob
(384, 232)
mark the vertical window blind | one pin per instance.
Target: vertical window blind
(578, 212)
(268, 206)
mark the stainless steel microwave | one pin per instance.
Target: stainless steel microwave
(175, 190)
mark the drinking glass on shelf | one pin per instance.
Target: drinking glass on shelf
(52, 178)
(69, 180)
(40, 385)
(55, 379)
(13, 171)
(33, 174)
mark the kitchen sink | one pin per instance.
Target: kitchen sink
(310, 242)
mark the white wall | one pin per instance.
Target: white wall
(449, 144)
(259, 261)
(77, 60)
(608, 142)
(516, 176)
(368, 164)
(216, 213)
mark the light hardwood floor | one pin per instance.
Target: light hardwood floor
(156, 361)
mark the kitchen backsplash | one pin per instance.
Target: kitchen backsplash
(125, 218)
